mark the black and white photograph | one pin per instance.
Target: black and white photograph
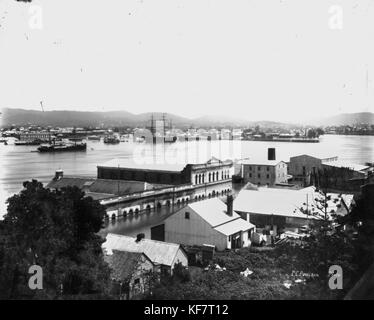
(186, 151)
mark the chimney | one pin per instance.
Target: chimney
(271, 153)
(230, 201)
(58, 174)
(139, 237)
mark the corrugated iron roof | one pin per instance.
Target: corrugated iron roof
(159, 252)
(101, 186)
(144, 164)
(288, 202)
(213, 211)
(234, 226)
(123, 263)
(344, 164)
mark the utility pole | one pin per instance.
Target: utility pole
(118, 188)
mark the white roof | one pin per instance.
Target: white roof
(286, 202)
(260, 162)
(213, 211)
(234, 226)
(343, 164)
(159, 252)
(267, 202)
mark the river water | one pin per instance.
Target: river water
(20, 163)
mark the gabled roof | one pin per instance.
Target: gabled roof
(344, 164)
(288, 202)
(123, 263)
(144, 164)
(213, 211)
(234, 226)
(319, 155)
(158, 252)
(101, 187)
(69, 182)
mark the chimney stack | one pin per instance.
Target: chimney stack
(230, 201)
(59, 174)
(139, 237)
(271, 153)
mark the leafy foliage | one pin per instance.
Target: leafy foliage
(57, 231)
(307, 263)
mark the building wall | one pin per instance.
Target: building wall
(44, 136)
(301, 167)
(160, 177)
(144, 267)
(265, 174)
(181, 257)
(245, 239)
(276, 223)
(207, 175)
(192, 231)
(281, 172)
(191, 174)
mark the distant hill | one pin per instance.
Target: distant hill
(123, 118)
(344, 119)
(80, 118)
(24, 117)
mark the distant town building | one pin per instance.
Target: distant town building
(40, 136)
(264, 172)
(208, 222)
(162, 254)
(212, 171)
(125, 187)
(303, 166)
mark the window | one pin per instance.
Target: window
(187, 215)
(250, 175)
(259, 176)
(250, 168)
(259, 168)
(267, 168)
(267, 176)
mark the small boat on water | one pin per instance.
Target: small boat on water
(28, 143)
(111, 140)
(95, 138)
(61, 146)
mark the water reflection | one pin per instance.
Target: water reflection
(133, 224)
(19, 163)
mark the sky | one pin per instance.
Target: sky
(258, 60)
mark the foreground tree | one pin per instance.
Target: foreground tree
(56, 230)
